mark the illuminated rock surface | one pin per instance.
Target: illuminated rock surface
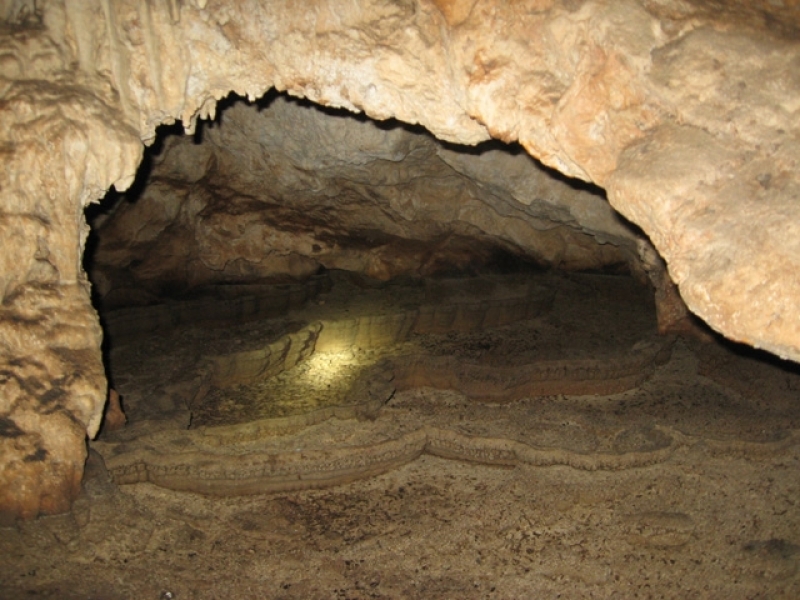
(280, 189)
(687, 114)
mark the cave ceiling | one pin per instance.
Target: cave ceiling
(278, 189)
(684, 112)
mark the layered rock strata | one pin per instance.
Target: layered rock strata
(252, 473)
(376, 383)
(234, 459)
(228, 461)
(483, 308)
(497, 383)
(686, 114)
(211, 305)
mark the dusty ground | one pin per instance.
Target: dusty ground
(718, 518)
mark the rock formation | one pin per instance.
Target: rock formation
(686, 114)
(351, 367)
(279, 189)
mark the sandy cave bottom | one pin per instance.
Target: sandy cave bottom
(714, 514)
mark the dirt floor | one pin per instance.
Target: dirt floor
(717, 516)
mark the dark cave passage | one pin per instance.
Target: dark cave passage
(281, 214)
(336, 336)
(282, 235)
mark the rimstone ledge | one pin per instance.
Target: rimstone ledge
(687, 115)
(394, 352)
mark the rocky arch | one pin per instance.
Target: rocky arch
(690, 121)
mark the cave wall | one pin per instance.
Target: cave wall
(279, 189)
(686, 112)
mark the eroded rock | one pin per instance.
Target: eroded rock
(281, 189)
(687, 114)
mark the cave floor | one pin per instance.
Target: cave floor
(711, 511)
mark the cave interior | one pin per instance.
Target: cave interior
(238, 237)
(348, 359)
(455, 299)
(320, 327)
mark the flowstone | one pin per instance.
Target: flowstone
(481, 338)
(683, 486)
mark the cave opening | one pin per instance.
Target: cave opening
(337, 333)
(282, 225)
(287, 264)
(359, 362)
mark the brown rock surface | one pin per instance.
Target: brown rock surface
(683, 487)
(686, 112)
(114, 418)
(280, 189)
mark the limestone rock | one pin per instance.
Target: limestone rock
(114, 417)
(576, 83)
(282, 189)
(686, 112)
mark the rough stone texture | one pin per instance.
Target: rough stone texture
(352, 362)
(687, 114)
(217, 304)
(280, 189)
(114, 417)
(53, 385)
(683, 488)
